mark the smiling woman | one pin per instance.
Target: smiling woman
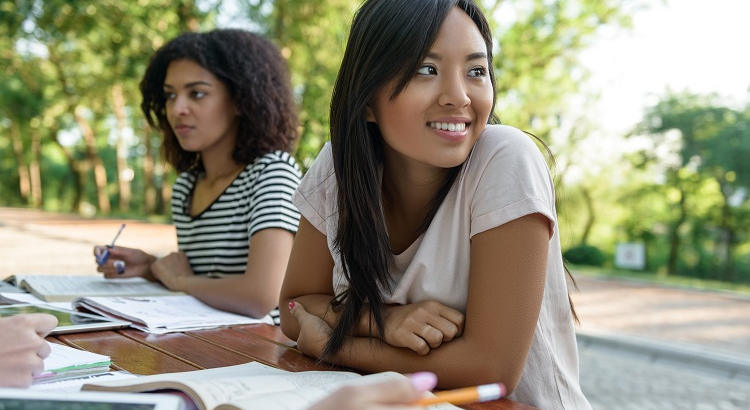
(223, 104)
(424, 227)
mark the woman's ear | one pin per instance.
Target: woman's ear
(369, 115)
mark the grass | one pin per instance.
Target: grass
(654, 278)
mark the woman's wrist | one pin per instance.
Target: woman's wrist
(148, 273)
(182, 283)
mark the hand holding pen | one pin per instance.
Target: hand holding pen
(103, 255)
(121, 262)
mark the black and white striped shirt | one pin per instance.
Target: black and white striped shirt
(260, 197)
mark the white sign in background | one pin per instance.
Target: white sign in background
(630, 256)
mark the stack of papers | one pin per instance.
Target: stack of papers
(65, 362)
(164, 314)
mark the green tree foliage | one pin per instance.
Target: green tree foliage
(706, 183)
(536, 58)
(312, 36)
(74, 72)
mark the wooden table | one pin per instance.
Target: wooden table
(143, 353)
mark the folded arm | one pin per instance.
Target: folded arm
(254, 293)
(507, 275)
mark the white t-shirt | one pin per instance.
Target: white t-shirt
(504, 178)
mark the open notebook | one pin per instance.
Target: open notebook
(164, 314)
(65, 288)
(249, 386)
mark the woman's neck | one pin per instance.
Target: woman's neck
(408, 191)
(410, 184)
(218, 166)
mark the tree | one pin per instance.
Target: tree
(91, 70)
(536, 58)
(715, 145)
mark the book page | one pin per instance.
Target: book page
(302, 387)
(169, 312)
(61, 288)
(14, 298)
(228, 384)
(310, 387)
(64, 358)
(74, 385)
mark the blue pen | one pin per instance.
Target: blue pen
(104, 256)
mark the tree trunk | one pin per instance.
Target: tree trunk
(148, 171)
(72, 102)
(278, 24)
(727, 239)
(165, 190)
(123, 172)
(100, 173)
(590, 215)
(24, 181)
(78, 176)
(187, 20)
(35, 169)
(674, 236)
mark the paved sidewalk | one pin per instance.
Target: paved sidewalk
(716, 320)
(641, 345)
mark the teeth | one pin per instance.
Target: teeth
(449, 126)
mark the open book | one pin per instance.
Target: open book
(248, 386)
(65, 362)
(164, 314)
(57, 288)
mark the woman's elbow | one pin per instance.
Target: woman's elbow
(289, 326)
(489, 368)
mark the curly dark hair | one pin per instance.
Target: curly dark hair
(256, 77)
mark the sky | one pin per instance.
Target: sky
(701, 46)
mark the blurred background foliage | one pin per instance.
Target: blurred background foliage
(73, 139)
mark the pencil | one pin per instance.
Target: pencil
(466, 395)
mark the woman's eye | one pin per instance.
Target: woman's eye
(478, 72)
(169, 96)
(427, 70)
(198, 94)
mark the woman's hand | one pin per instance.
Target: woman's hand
(173, 271)
(314, 332)
(421, 326)
(396, 394)
(23, 348)
(132, 262)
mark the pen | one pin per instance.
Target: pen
(466, 395)
(102, 259)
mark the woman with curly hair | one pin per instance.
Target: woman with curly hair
(223, 103)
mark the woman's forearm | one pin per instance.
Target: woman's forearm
(230, 293)
(320, 306)
(459, 363)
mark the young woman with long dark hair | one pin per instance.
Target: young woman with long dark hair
(429, 238)
(223, 103)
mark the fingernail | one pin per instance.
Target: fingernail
(423, 381)
(119, 267)
(291, 305)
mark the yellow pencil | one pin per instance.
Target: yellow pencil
(466, 395)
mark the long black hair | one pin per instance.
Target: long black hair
(256, 77)
(388, 41)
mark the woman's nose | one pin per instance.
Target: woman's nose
(180, 105)
(453, 92)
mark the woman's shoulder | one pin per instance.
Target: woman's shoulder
(273, 157)
(499, 137)
(321, 172)
(504, 146)
(279, 163)
(184, 182)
